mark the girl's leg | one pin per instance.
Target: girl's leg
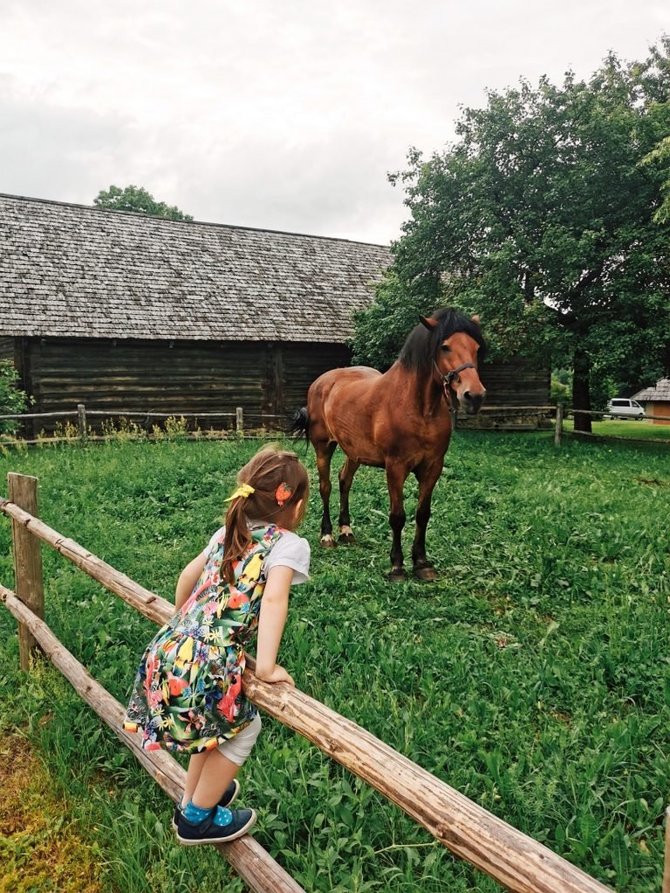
(213, 777)
(195, 764)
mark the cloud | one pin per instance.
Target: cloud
(283, 116)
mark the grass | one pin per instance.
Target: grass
(626, 428)
(533, 677)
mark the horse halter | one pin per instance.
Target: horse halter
(451, 376)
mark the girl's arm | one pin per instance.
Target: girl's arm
(274, 608)
(187, 580)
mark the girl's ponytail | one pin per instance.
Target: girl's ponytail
(238, 535)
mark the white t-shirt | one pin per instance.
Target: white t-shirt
(290, 550)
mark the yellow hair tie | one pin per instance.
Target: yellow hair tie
(243, 491)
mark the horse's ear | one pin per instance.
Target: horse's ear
(428, 322)
(475, 318)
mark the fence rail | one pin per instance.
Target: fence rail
(514, 859)
(241, 422)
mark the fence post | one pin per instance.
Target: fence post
(81, 421)
(239, 420)
(29, 586)
(559, 424)
(666, 864)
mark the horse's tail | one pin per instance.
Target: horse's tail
(300, 423)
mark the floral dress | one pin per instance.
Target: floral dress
(187, 694)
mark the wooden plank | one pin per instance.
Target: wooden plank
(27, 560)
(515, 860)
(254, 865)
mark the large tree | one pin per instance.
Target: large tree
(544, 217)
(137, 200)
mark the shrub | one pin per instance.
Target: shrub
(12, 399)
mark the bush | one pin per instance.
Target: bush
(12, 399)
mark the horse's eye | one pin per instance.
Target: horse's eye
(445, 348)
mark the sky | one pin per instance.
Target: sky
(276, 114)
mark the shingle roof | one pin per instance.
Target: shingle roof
(76, 271)
(661, 392)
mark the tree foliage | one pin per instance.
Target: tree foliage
(136, 199)
(545, 216)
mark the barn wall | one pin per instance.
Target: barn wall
(187, 376)
(195, 376)
(516, 383)
(7, 349)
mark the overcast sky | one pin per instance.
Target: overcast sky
(278, 114)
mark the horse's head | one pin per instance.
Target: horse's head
(457, 341)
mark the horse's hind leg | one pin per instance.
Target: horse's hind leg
(324, 453)
(347, 473)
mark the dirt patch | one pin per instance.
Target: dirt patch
(41, 848)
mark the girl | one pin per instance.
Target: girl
(188, 691)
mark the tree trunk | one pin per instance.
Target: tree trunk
(581, 396)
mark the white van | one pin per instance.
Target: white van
(623, 408)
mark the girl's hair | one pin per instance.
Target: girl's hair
(279, 481)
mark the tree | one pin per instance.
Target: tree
(137, 200)
(543, 218)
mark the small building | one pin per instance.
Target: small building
(656, 401)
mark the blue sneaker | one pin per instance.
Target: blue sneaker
(229, 795)
(220, 826)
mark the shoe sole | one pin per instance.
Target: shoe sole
(185, 841)
(238, 788)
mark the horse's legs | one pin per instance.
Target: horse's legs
(427, 478)
(396, 475)
(324, 453)
(347, 473)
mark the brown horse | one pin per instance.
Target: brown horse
(399, 421)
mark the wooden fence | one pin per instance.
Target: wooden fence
(84, 423)
(515, 860)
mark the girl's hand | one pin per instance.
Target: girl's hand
(278, 674)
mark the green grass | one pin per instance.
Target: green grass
(626, 428)
(533, 677)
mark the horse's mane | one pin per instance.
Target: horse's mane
(421, 346)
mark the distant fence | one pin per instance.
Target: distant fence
(87, 424)
(512, 858)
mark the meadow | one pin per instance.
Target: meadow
(533, 676)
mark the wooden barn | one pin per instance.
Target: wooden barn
(128, 312)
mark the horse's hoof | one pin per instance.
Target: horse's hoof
(328, 542)
(396, 575)
(427, 574)
(347, 539)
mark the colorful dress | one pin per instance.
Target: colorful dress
(187, 694)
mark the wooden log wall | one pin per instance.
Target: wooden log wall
(180, 376)
(7, 349)
(515, 383)
(197, 376)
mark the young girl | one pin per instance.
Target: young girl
(188, 691)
